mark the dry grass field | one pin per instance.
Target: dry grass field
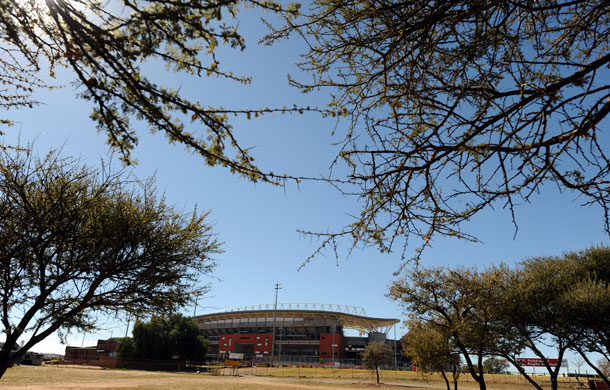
(89, 378)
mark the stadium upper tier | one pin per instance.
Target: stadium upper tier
(350, 317)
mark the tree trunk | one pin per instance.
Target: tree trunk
(6, 359)
(446, 379)
(554, 383)
(477, 376)
(455, 377)
(377, 372)
(593, 366)
(482, 384)
(522, 371)
(4, 365)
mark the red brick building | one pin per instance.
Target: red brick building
(103, 354)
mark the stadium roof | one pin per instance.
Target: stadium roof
(351, 317)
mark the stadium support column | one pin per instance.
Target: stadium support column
(395, 360)
(333, 344)
(277, 288)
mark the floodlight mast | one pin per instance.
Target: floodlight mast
(278, 286)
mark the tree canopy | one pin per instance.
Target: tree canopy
(78, 242)
(461, 305)
(574, 292)
(459, 106)
(165, 337)
(107, 47)
(431, 350)
(375, 355)
(494, 365)
(546, 306)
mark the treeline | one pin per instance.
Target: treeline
(163, 338)
(555, 304)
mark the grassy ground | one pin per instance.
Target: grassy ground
(410, 378)
(72, 378)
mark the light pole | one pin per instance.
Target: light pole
(128, 319)
(277, 288)
(196, 302)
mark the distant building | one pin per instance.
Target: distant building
(304, 333)
(102, 354)
(32, 359)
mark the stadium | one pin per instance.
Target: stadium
(304, 333)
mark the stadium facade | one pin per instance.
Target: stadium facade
(304, 333)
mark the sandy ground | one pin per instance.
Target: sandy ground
(73, 378)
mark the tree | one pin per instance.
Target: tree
(455, 107)
(494, 365)
(169, 337)
(376, 354)
(535, 311)
(578, 362)
(431, 350)
(546, 305)
(126, 348)
(464, 305)
(554, 304)
(78, 242)
(584, 299)
(107, 49)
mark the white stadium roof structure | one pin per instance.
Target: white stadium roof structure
(351, 317)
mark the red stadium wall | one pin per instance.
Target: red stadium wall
(326, 345)
(261, 343)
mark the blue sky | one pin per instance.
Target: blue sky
(259, 222)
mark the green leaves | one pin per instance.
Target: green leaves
(168, 337)
(376, 354)
(107, 48)
(429, 348)
(544, 304)
(77, 242)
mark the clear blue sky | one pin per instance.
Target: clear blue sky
(259, 222)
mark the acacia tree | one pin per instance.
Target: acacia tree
(431, 350)
(589, 300)
(535, 312)
(458, 106)
(546, 305)
(376, 354)
(107, 47)
(583, 295)
(554, 304)
(462, 304)
(77, 242)
(494, 365)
